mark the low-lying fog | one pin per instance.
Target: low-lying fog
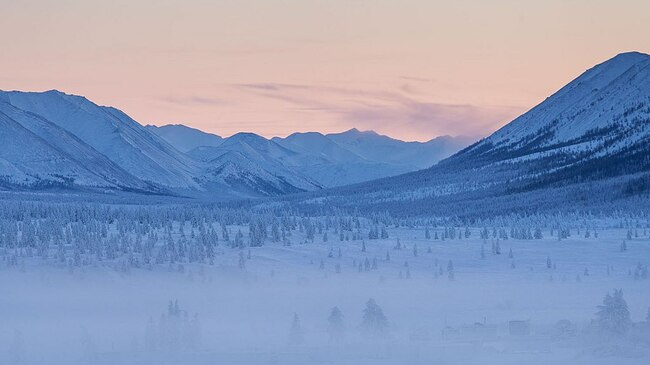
(431, 301)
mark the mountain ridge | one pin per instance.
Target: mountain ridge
(101, 147)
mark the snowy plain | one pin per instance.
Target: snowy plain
(108, 312)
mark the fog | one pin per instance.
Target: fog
(491, 308)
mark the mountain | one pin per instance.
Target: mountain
(259, 154)
(249, 178)
(39, 153)
(597, 126)
(185, 138)
(587, 145)
(332, 164)
(113, 134)
(312, 160)
(62, 140)
(355, 156)
(319, 147)
(375, 147)
(84, 145)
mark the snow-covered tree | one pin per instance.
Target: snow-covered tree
(335, 326)
(613, 315)
(374, 323)
(296, 336)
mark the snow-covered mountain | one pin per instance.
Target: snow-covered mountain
(596, 126)
(376, 147)
(185, 138)
(56, 139)
(235, 170)
(335, 159)
(250, 153)
(61, 140)
(313, 160)
(37, 152)
(113, 134)
(586, 144)
(332, 164)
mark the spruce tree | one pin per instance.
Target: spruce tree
(613, 315)
(335, 326)
(296, 336)
(374, 323)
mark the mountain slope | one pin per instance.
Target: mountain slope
(235, 170)
(37, 153)
(602, 114)
(185, 138)
(99, 146)
(113, 134)
(379, 148)
(332, 164)
(86, 145)
(586, 144)
(259, 155)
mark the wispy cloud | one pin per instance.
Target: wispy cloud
(388, 111)
(189, 100)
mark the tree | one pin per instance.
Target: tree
(335, 327)
(242, 261)
(16, 349)
(450, 266)
(374, 323)
(450, 271)
(295, 333)
(613, 315)
(150, 335)
(384, 233)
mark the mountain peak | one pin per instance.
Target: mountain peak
(631, 55)
(246, 136)
(356, 131)
(620, 63)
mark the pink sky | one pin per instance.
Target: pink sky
(409, 69)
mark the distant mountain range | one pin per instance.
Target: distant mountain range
(53, 140)
(326, 160)
(586, 145)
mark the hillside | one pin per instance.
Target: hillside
(587, 144)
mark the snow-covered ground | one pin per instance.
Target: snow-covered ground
(245, 302)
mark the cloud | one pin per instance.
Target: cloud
(188, 100)
(404, 112)
(426, 119)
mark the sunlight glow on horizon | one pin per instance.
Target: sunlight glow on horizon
(408, 69)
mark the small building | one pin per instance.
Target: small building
(421, 335)
(519, 328)
(478, 330)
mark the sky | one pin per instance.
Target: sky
(412, 69)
